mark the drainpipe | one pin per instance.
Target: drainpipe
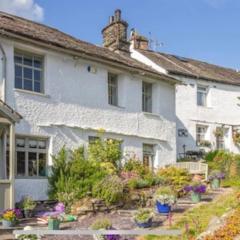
(4, 60)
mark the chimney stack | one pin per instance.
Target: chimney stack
(138, 41)
(115, 34)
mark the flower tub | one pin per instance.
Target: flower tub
(164, 198)
(196, 190)
(215, 179)
(10, 217)
(163, 208)
(53, 224)
(143, 218)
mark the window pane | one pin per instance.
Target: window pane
(146, 97)
(32, 143)
(42, 165)
(37, 63)
(28, 73)
(32, 164)
(18, 71)
(27, 61)
(42, 144)
(18, 82)
(27, 84)
(112, 89)
(20, 142)
(37, 75)
(20, 163)
(37, 87)
(18, 59)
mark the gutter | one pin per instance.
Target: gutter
(4, 60)
(91, 57)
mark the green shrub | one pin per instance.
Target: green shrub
(134, 165)
(73, 176)
(177, 178)
(104, 223)
(109, 189)
(105, 151)
(211, 155)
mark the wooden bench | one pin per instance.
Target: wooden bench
(194, 167)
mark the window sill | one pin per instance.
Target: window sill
(31, 92)
(204, 107)
(31, 178)
(151, 114)
(116, 106)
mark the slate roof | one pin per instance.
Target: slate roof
(193, 68)
(10, 24)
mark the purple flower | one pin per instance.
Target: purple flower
(216, 175)
(60, 207)
(17, 212)
(112, 237)
(197, 188)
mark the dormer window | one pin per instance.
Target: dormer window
(202, 92)
(28, 71)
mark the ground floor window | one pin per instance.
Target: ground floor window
(148, 155)
(201, 131)
(31, 156)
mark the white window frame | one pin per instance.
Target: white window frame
(26, 149)
(201, 135)
(147, 95)
(22, 53)
(203, 90)
(113, 89)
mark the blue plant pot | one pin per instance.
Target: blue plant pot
(163, 208)
(147, 224)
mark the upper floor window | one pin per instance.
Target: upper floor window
(28, 71)
(31, 157)
(146, 97)
(202, 95)
(112, 89)
(200, 134)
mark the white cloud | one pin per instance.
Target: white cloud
(24, 8)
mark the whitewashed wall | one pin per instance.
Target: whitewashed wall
(75, 105)
(223, 108)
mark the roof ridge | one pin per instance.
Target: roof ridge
(191, 59)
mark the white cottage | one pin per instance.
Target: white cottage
(65, 90)
(207, 103)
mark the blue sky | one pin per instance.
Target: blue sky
(203, 29)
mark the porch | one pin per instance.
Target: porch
(8, 118)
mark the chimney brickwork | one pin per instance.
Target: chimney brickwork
(115, 34)
(139, 42)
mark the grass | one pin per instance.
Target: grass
(196, 220)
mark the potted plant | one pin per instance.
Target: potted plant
(28, 205)
(54, 222)
(143, 218)
(10, 217)
(196, 189)
(164, 198)
(205, 143)
(215, 178)
(103, 224)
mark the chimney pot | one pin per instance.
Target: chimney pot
(117, 15)
(111, 19)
